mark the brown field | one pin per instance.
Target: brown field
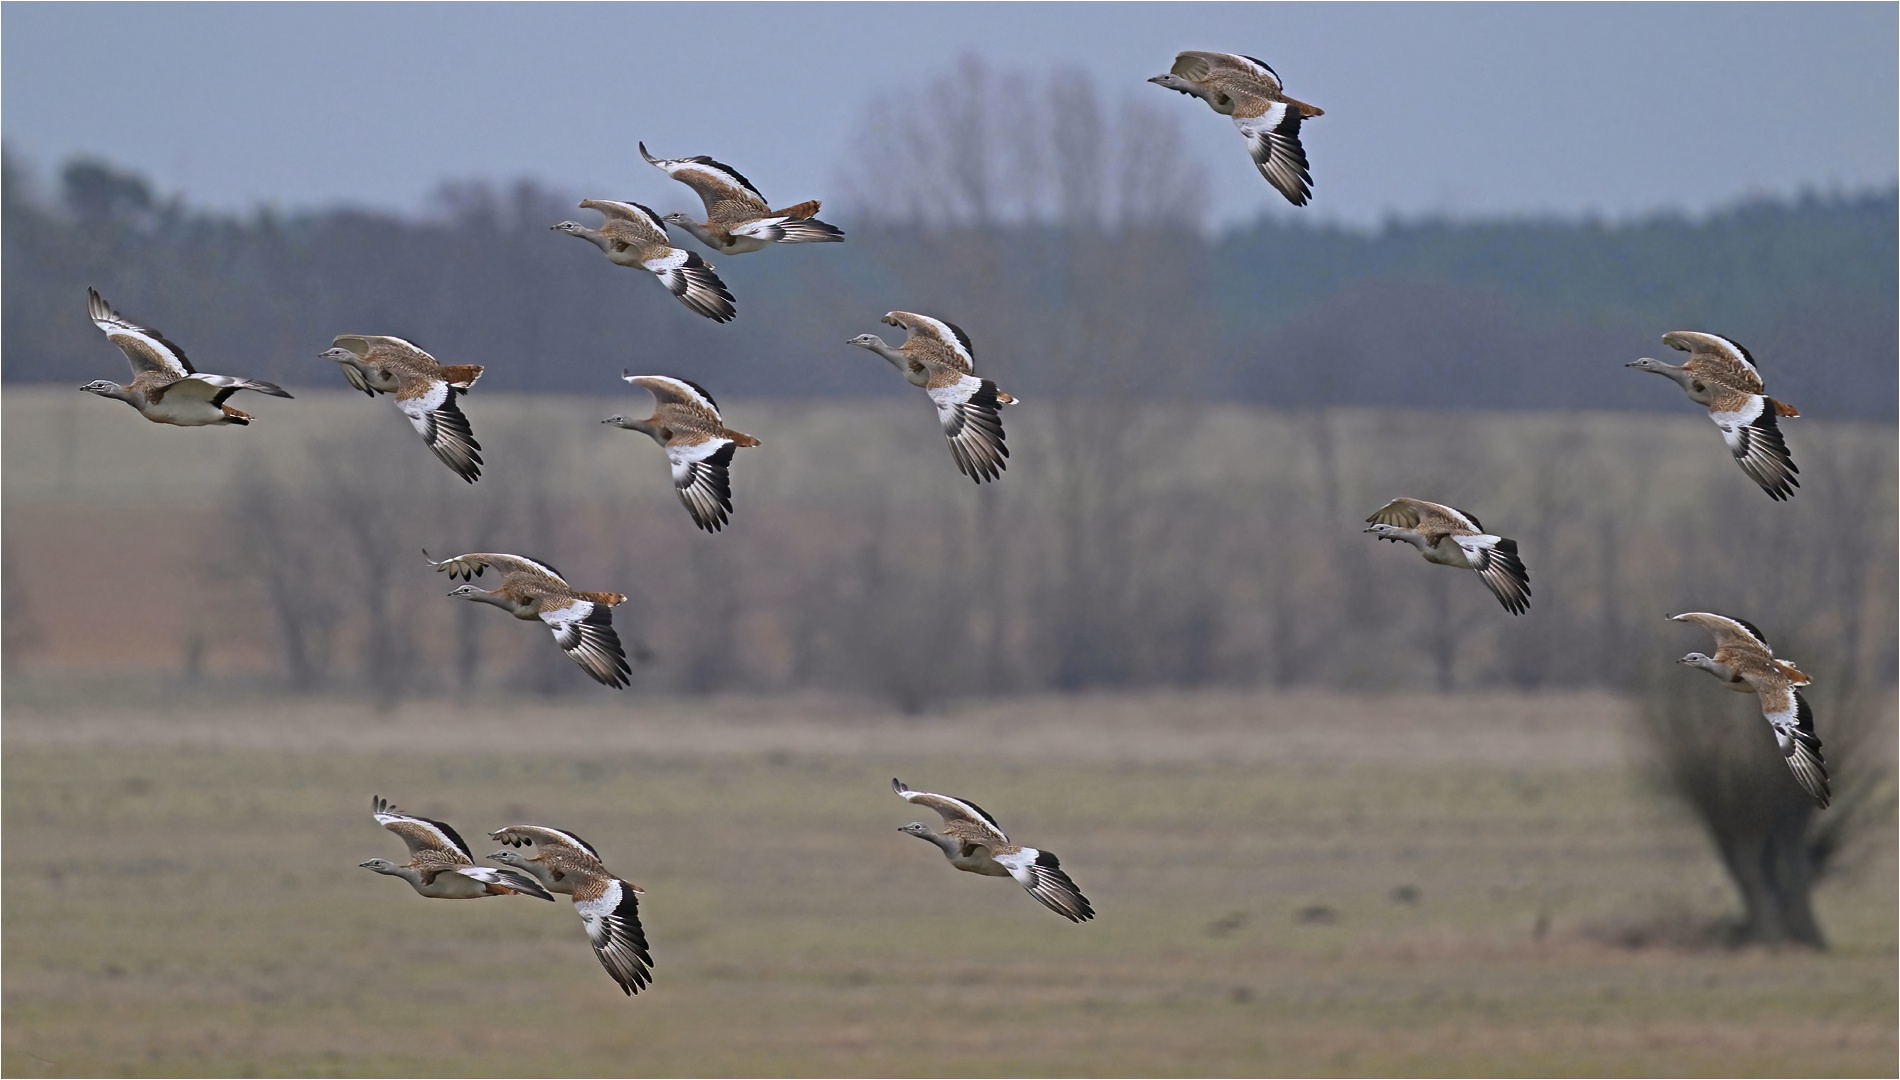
(1289, 883)
(182, 895)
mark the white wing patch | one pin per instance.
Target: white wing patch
(1273, 139)
(702, 478)
(1754, 437)
(1793, 722)
(972, 422)
(1496, 561)
(584, 630)
(1041, 873)
(435, 415)
(613, 928)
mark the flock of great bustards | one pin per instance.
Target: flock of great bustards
(937, 356)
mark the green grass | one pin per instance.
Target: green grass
(183, 898)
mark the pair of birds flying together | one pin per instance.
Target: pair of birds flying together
(541, 861)
(738, 220)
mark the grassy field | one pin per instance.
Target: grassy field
(1287, 884)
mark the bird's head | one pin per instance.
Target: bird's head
(1646, 364)
(102, 387)
(508, 857)
(381, 866)
(571, 228)
(1697, 660)
(867, 341)
(916, 828)
(1175, 83)
(677, 218)
(468, 592)
(339, 355)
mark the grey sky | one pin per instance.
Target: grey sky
(1431, 108)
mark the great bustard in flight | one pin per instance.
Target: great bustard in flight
(1249, 91)
(609, 906)
(1721, 375)
(1451, 537)
(937, 356)
(974, 842)
(425, 391)
(687, 425)
(738, 219)
(582, 622)
(632, 235)
(1745, 664)
(440, 866)
(165, 388)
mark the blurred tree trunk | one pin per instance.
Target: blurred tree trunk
(1774, 870)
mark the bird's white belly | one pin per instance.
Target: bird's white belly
(183, 411)
(980, 863)
(739, 245)
(452, 886)
(1447, 553)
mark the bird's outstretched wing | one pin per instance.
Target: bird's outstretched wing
(1042, 874)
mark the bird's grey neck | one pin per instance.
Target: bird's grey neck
(948, 846)
(1410, 536)
(895, 356)
(592, 236)
(1678, 374)
(407, 873)
(700, 231)
(496, 598)
(644, 427)
(1715, 668)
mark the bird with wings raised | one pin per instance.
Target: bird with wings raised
(936, 355)
(165, 388)
(609, 906)
(1745, 664)
(1249, 92)
(440, 866)
(1721, 376)
(687, 425)
(582, 622)
(425, 391)
(633, 235)
(1452, 537)
(974, 842)
(738, 219)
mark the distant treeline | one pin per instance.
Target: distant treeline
(1507, 314)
